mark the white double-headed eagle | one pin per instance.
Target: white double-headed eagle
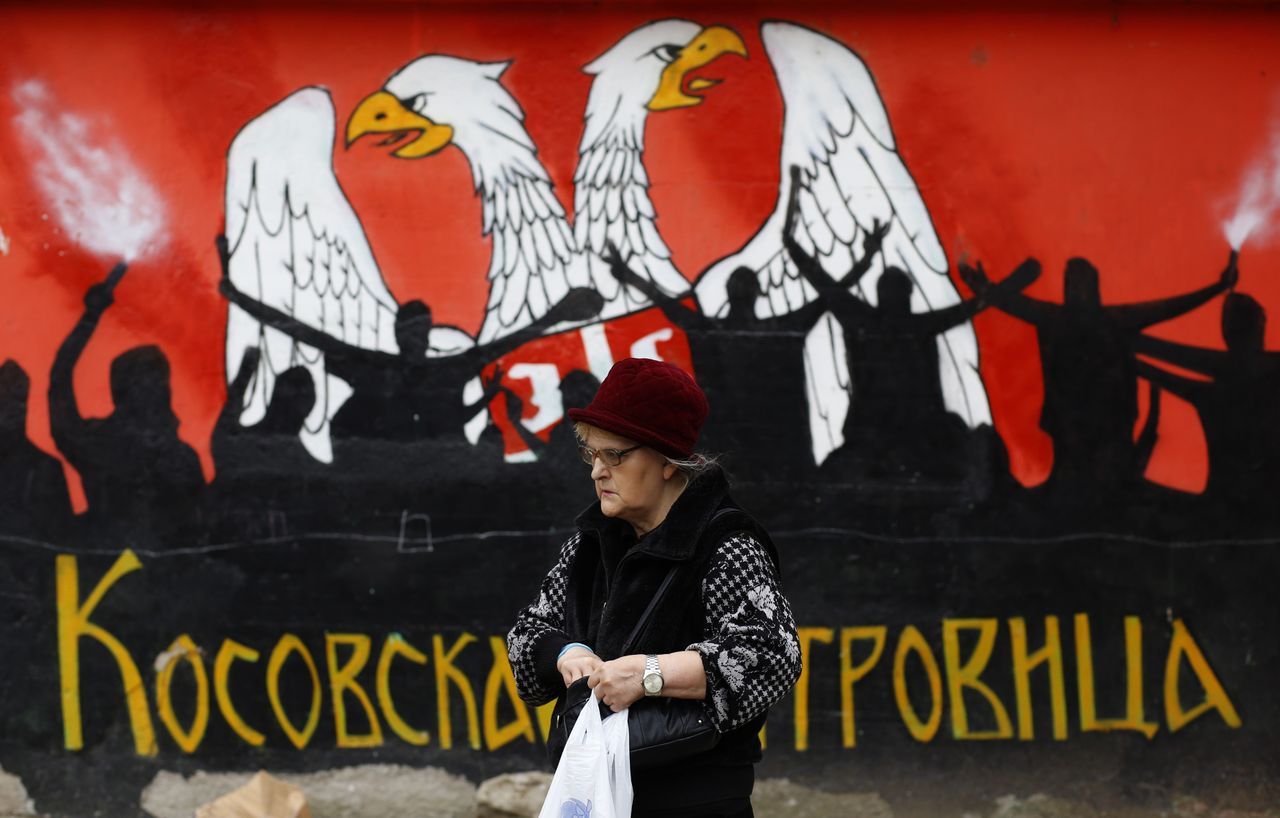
(297, 245)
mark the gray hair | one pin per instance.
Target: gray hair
(693, 466)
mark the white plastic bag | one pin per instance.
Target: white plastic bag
(593, 779)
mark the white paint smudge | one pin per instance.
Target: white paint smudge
(1259, 198)
(100, 197)
(167, 657)
(4, 244)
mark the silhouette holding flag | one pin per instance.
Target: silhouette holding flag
(411, 395)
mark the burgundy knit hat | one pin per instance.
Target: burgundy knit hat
(651, 402)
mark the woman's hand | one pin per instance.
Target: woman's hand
(619, 683)
(576, 663)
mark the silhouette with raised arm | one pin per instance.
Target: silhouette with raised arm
(743, 290)
(264, 474)
(1236, 408)
(272, 444)
(33, 490)
(746, 411)
(898, 424)
(490, 447)
(410, 395)
(1090, 374)
(137, 474)
(577, 388)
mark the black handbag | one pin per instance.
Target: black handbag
(662, 730)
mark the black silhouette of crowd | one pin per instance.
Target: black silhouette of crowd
(907, 463)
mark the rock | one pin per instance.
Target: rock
(1041, 806)
(169, 795)
(264, 796)
(1186, 806)
(384, 789)
(779, 798)
(512, 795)
(374, 790)
(14, 800)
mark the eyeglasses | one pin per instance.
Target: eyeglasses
(611, 457)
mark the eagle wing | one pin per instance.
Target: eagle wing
(836, 130)
(611, 195)
(297, 245)
(534, 261)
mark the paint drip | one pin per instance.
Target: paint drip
(102, 200)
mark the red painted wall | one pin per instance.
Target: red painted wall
(1122, 135)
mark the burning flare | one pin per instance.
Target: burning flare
(1259, 198)
(100, 198)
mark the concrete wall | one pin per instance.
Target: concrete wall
(292, 316)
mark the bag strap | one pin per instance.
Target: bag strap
(662, 589)
(648, 611)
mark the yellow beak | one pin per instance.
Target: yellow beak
(382, 113)
(711, 42)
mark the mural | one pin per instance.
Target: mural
(979, 302)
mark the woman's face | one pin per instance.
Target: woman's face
(640, 489)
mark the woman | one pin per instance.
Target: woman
(723, 634)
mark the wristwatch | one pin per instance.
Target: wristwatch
(652, 676)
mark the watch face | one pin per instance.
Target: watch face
(652, 684)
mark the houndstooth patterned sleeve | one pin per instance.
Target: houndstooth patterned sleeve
(751, 654)
(538, 634)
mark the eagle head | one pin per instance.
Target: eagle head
(436, 101)
(652, 67)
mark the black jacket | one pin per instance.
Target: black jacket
(611, 580)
